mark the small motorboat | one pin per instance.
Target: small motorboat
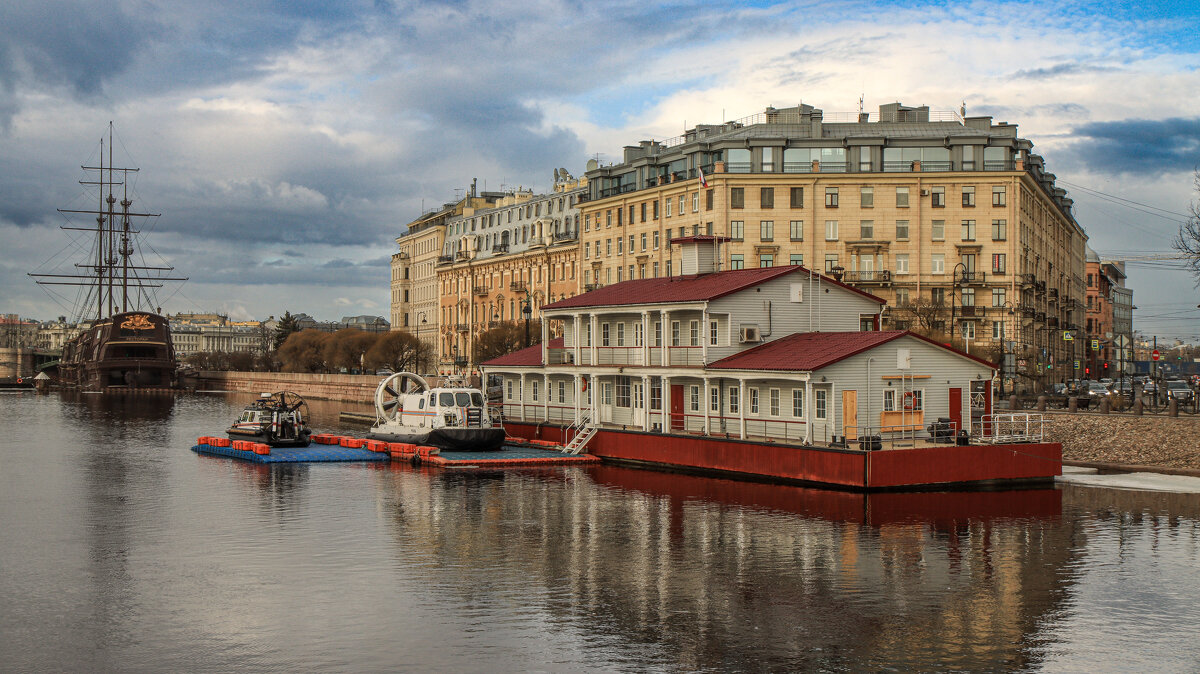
(452, 417)
(277, 419)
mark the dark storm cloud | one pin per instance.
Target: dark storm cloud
(1137, 146)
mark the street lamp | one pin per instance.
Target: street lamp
(527, 312)
(422, 321)
(953, 287)
(1007, 347)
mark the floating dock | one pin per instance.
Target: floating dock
(328, 448)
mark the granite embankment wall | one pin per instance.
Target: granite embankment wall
(1151, 440)
(341, 387)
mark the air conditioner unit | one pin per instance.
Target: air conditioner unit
(750, 334)
(924, 193)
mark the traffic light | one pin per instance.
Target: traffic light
(1106, 365)
(1087, 370)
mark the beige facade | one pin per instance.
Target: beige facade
(414, 287)
(953, 215)
(523, 249)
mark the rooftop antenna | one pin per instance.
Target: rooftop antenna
(962, 110)
(860, 102)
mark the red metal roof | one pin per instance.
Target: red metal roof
(810, 351)
(691, 288)
(527, 357)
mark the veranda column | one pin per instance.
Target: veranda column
(645, 338)
(704, 336)
(706, 402)
(522, 396)
(645, 399)
(808, 412)
(577, 324)
(742, 406)
(578, 394)
(546, 405)
(593, 327)
(665, 411)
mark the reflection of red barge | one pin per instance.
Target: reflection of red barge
(777, 373)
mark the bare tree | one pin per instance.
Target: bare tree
(1188, 241)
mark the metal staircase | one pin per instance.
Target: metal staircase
(583, 430)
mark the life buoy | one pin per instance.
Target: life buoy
(584, 386)
(908, 400)
(20, 380)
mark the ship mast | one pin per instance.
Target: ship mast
(111, 252)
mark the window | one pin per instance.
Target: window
(714, 399)
(768, 159)
(968, 230)
(737, 229)
(631, 243)
(902, 263)
(694, 333)
(510, 395)
(902, 230)
(866, 229)
(831, 230)
(535, 391)
(937, 197)
(796, 230)
(562, 392)
(620, 242)
(708, 200)
(604, 334)
(655, 239)
(608, 218)
(998, 296)
(674, 333)
(798, 403)
(796, 258)
(654, 207)
(767, 197)
(831, 197)
(607, 246)
(643, 241)
(667, 212)
(901, 299)
(587, 222)
(620, 334)
(968, 195)
(999, 230)
(968, 297)
(998, 263)
(637, 334)
(681, 198)
(889, 400)
(655, 270)
(773, 399)
(866, 196)
(997, 330)
(734, 399)
(968, 329)
(998, 195)
(622, 391)
(737, 261)
(937, 296)
(766, 260)
(766, 230)
(643, 213)
(937, 263)
(656, 393)
(937, 230)
(901, 197)
(737, 197)
(753, 394)
(695, 396)
(831, 261)
(712, 333)
(918, 400)
(797, 199)
(619, 212)
(821, 407)
(658, 333)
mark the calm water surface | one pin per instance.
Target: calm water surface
(122, 550)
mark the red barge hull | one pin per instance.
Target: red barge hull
(893, 469)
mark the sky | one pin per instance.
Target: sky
(285, 144)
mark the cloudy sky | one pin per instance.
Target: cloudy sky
(286, 143)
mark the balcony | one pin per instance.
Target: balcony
(480, 291)
(445, 259)
(897, 166)
(966, 311)
(1028, 312)
(874, 276)
(460, 361)
(1054, 294)
(463, 255)
(536, 242)
(1052, 322)
(564, 236)
(1026, 279)
(518, 287)
(973, 277)
(589, 287)
(1002, 165)
(462, 327)
(927, 166)
(499, 247)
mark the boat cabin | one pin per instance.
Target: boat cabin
(444, 407)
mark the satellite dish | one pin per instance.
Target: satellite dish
(592, 164)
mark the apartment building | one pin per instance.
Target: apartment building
(414, 286)
(953, 220)
(523, 251)
(1109, 326)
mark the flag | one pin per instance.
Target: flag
(703, 182)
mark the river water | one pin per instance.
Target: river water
(122, 550)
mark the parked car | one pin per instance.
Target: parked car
(1179, 390)
(1096, 390)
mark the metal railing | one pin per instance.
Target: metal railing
(999, 429)
(875, 276)
(898, 436)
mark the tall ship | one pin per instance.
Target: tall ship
(126, 343)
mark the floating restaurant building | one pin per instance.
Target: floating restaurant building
(776, 371)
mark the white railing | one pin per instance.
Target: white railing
(579, 433)
(1009, 428)
(895, 436)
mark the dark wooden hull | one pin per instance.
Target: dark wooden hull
(128, 351)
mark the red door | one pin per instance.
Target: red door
(676, 407)
(956, 409)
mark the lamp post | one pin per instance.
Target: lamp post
(420, 322)
(1007, 347)
(954, 287)
(527, 312)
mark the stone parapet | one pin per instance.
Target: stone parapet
(341, 387)
(1126, 439)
